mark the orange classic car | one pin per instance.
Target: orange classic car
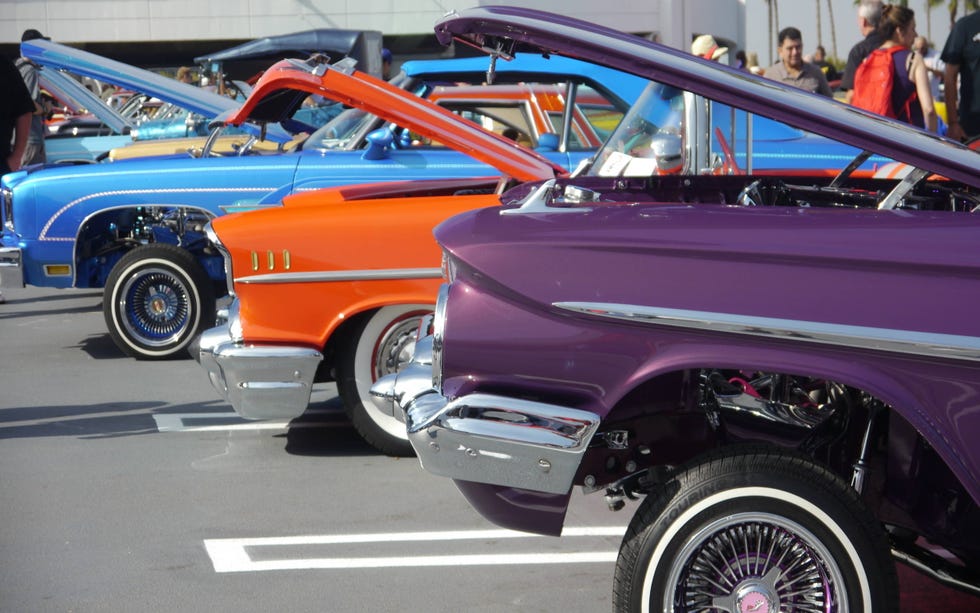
(332, 285)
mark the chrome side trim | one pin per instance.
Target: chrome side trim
(344, 275)
(859, 337)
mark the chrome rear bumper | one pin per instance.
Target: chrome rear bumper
(487, 438)
(260, 382)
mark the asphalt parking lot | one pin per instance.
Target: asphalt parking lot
(128, 485)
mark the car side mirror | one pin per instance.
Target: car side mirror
(378, 143)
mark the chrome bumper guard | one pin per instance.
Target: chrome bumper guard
(260, 382)
(487, 438)
(11, 267)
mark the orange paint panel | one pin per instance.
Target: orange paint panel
(337, 237)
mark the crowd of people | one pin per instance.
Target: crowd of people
(892, 70)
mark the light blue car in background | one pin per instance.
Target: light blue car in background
(186, 109)
(136, 227)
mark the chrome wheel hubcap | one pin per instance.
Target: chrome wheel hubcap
(755, 563)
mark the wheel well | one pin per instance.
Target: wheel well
(105, 236)
(678, 416)
(327, 370)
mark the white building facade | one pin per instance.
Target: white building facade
(143, 22)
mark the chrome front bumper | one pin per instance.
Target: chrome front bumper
(11, 267)
(260, 382)
(487, 438)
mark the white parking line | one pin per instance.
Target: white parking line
(231, 555)
(175, 422)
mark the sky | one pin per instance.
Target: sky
(802, 14)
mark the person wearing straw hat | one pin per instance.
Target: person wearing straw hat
(705, 46)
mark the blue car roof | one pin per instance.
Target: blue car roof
(528, 67)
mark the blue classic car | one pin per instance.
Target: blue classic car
(104, 129)
(186, 109)
(782, 369)
(135, 227)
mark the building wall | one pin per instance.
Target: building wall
(86, 21)
(143, 31)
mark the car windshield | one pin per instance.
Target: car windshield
(339, 131)
(669, 131)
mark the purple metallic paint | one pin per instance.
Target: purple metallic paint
(897, 270)
(517, 509)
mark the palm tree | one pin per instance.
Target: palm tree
(771, 38)
(968, 6)
(930, 4)
(772, 7)
(833, 28)
(819, 33)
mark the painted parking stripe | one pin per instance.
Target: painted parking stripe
(190, 422)
(232, 555)
(177, 422)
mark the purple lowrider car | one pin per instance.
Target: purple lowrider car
(784, 370)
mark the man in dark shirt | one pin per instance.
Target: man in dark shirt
(16, 110)
(35, 152)
(869, 14)
(962, 57)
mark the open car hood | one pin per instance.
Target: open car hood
(362, 45)
(284, 87)
(55, 56)
(508, 31)
(79, 97)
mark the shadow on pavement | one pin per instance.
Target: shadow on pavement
(101, 347)
(94, 421)
(324, 431)
(14, 309)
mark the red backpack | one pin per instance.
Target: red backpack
(874, 81)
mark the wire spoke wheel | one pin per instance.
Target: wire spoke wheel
(755, 562)
(754, 529)
(156, 306)
(157, 299)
